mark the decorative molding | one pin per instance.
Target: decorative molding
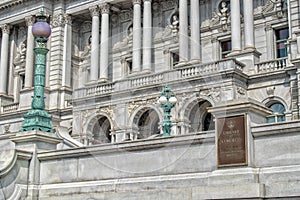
(135, 104)
(270, 91)
(104, 8)
(57, 20)
(68, 19)
(5, 28)
(274, 5)
(30, 20)
(94, 11)
(107, 110)
(126, 16)
(136, 2)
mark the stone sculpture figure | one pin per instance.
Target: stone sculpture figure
(174, 25)
(21, 54)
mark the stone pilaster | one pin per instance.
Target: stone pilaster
(104, 8)
(147, 35)
(195, 30)
(29, 53)
(94, 70)
(4, 58)
(249, 25)
(67, 52)
(235, 26)
(137, 33)
(183, 31)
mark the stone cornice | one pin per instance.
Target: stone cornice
(10, 3)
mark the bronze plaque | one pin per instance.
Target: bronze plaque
(231, 141)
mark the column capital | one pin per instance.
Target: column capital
(104, 8)
(68, 19)
(5, 28)
(147, 1)
(136, 2)
(29, 20)
(94, 10)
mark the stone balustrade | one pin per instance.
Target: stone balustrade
(271, 66)
(147, 80)
(9, 108)
(210, 68)
(160, 78)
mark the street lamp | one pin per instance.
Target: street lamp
(167, 101)
(37, 118)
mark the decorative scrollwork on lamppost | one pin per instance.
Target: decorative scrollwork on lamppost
(167, 101)
(37, 118)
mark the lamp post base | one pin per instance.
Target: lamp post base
(37, 120)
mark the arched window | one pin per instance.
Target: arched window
(148, 124)
(278, 111)
(101, 131)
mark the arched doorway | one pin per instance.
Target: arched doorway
(200, 119)
(101, 131)
(148, 124)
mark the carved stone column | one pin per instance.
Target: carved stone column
(137, 33)
(195, 30)
(183, 31)
(94, 71)
(4, 58)
(249, 24)
(147, 35)
(29, 53)
(235, 26)
(67, 52)
(104, 41)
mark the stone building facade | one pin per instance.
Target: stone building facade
(106, 66)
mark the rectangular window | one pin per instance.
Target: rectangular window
(175, 58)
(225, 48)
(281, 36)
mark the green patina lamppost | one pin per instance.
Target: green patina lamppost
(167, 101)
(37, 118)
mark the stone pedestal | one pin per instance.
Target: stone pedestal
(248, 57)
(232, 114)
(36, 140)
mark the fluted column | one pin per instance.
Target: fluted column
(136, 43)
(235, 26)
(104, 41)
(29, 65)
(67, 52)
(183, 31)
(94, 71)
(249, 25)
(4, 58)
(195, 30)
(147, 35)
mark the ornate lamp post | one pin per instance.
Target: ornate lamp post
(37, 118)
(167, 101)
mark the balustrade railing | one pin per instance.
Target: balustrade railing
(10, 108)
(147, 80)
(210, 68)
(100, 89)
(270, 66)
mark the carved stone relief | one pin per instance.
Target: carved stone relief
(274, 5)
(222, 15)
(135, 104)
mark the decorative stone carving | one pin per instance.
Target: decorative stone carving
(240, 92)
(114, 20)
(125, 16)
(5, 28)
(136, 2)
(94, 11)
(274, 5)
(135, 104)
(221, 16)
(6, 128)
(57, 20)
(30, 20)
(86, 27)
(107, 110)
(104, 8)
(174, 25)
(213, 93)
(270, 91)
(21, 54)
(85, 54)
(68, 19)
(126, 40)
(167, 5)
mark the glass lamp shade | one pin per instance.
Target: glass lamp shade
(173, 100)
(163, 100)
(41, 30)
